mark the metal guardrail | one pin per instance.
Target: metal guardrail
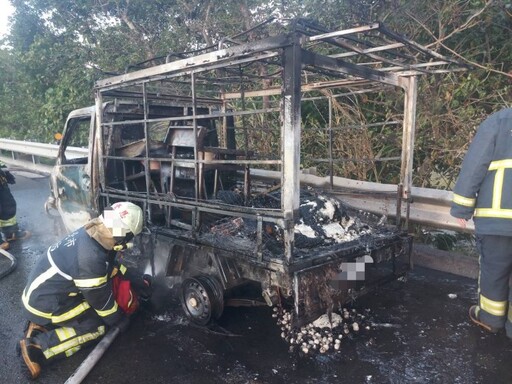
(38, 157)
(429, 207)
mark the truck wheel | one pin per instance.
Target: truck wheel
(202, 299)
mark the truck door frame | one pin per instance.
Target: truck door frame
(72, 180)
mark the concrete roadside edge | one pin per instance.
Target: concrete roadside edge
(445, 261)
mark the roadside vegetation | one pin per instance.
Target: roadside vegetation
(57, 49)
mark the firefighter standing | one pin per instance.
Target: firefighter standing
(69, 298)
(484, 191)
(9, 228)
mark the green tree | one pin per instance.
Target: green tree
(449, 109)
(58, 49)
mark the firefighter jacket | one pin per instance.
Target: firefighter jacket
(484, 187)
(72, 277)
(7, 202)
(6, 178)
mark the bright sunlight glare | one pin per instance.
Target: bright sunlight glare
(6, 11)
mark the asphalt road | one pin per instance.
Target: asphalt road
(419, 333)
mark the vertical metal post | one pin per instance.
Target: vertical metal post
(198, 167)
(146, 160)
(223, 141)
(197, 173)
(410, 86)
(245, 130)
(290, 142)
(331, 164)
(259, 239)
(97, 162)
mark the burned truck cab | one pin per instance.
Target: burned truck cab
(243, 157)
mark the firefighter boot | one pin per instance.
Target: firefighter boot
(20, 234)
(33, 329)
(32, 358)
(13, 233)
(4, 244)
(473, 315)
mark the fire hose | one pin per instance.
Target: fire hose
(11, 268)
(95, 355)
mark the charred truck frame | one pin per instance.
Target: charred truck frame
(210, 146)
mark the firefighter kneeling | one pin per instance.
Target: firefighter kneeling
(78, 289)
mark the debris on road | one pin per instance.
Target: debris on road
(323, 335)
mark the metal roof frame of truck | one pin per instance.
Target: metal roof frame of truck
(359, 60)
(258, 89)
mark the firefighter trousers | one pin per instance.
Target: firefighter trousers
(494, 291)
(8, 223)
(69, 337)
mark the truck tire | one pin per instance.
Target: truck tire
(202, 299)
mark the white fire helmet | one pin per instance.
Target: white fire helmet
(124, 217)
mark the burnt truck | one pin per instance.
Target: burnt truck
(238, 154)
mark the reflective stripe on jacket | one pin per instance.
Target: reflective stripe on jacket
(72, 277)
(484, 186)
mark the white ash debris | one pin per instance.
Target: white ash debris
(322, 221)
(338, 233)
(326, 220)
(323, 321)
(329, 209)
(322, 335)
(305, 230)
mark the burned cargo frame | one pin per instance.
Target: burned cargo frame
(193, 141)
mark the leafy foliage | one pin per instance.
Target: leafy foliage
(57, 49)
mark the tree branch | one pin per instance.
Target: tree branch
(468, 24)
(473, 63)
